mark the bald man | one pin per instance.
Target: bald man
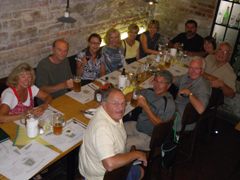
(54, 73)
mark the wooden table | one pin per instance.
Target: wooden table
(71, 108)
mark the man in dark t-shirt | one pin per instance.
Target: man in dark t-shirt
(189, 41)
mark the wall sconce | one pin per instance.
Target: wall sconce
(67, 18)
(151, 2)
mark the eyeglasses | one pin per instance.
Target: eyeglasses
(95, 43)
(117, 103)
(223, 51)
(195, 68)
(160, 82)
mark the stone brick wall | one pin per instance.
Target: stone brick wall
(173, 14)
(28, 27)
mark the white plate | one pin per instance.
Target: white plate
(92, 111)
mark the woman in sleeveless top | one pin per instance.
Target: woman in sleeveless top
(131, 45)
(150, 39)
(18, 99)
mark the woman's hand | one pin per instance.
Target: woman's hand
(38, 111)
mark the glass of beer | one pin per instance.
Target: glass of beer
(134, 98)
(77, 84)
(168, 63)
(57, 123)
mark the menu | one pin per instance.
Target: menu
(85, 95)
(26, 162)
(72, 134)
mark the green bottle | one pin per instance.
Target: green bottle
(226, 16)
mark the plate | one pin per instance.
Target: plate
(89, 113)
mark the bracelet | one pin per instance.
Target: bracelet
(190, 94)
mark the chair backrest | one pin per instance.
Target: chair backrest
(216, 98)
(160, 133)
(118, 174)
(190, 115)
(72, 63)
(173, 90)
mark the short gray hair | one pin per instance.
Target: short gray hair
(166, 75)
(200, 59)
(105, 94)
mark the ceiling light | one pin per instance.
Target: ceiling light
(67, 18)
(151, 2)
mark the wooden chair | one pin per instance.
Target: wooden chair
(159, 135)
(190, 116)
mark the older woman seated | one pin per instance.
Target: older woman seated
(113, 57)
(89, 63)
(209, 45)
(150, 39)
(18, 99)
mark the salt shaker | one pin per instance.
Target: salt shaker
(32, 127)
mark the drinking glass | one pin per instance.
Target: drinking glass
(134, 98)
(57, 123)
(77, 84)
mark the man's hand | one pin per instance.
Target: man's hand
(141, 101)
(69, 84)
(184, 91)
(141, 156)
(217, 83)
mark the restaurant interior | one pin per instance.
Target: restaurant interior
(28, 28)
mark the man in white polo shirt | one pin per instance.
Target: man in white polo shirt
(103, 147)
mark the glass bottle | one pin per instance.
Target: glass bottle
(226, 16)
(219, 19)
(237, 21)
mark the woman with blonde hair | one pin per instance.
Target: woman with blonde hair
(113, 57)
(18, 99)
(150, 39)
(131, 45)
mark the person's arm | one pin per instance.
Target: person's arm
(141, 101)
(46, 98)
(143, 40)
(227, 91)
(138, 55)
(68, 84)
(80, 65)
(120, 160)
(102, 69)
(197, 104)
(217, 83)
(5, 117)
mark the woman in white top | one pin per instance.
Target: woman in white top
(18, 99)
(130, 45)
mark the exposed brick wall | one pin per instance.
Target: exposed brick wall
(28, 27)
